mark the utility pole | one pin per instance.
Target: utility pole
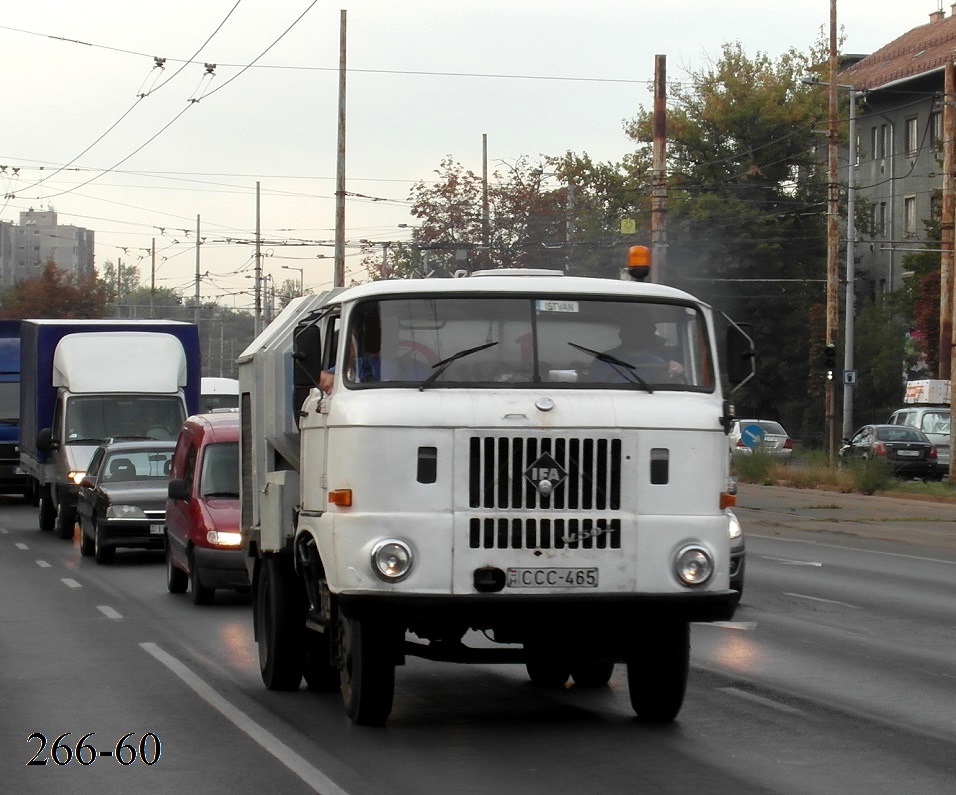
(947, 221)
(338, 279)
(485, 217)
(658, 184)
(833, 211)
(850, 309)
(152, 277)
(196, 308)
(257, 325)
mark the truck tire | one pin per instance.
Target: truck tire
(65, 520)
(547, 673)
(280, 627)
(321, 675)
(657, 672)
(47, 510)
(367, 672)
(592, 674)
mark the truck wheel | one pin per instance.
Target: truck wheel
(47, 510)
(177, 581)
(367, 672)
(321, 674)
(280, 617)
(657, 672)
(547, 673)
(592, 674)
(101, 552)
(65, 520)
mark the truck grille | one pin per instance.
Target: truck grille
(499, 466)
(514, 533)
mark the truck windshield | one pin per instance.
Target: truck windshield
(564, 341)
(92, 418)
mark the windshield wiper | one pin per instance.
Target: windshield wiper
(629, 370)
(440, 367)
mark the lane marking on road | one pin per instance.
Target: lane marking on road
(857, 550)
(310, 775)
(744, 625)
(820, 599)
(21, 545)
(44, 565)
(70, 582)
(766, 702)
(791, 562)
(108, 611)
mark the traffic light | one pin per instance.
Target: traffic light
(829, 360)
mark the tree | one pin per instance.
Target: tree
(55, 294)
(745, 222)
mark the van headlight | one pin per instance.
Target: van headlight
(218, 538)
(392, 560)
(693, 566)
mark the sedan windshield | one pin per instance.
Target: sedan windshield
(566, 342)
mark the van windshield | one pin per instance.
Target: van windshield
(525, 341)
(220, 470)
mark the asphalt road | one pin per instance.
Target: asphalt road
(837, 675)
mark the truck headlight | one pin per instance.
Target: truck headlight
(392, 560)
(693, 566)
(76, 476)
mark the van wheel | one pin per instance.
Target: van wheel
(176, 579)
(657, 672)
(280, 623)
(47, 510)
(201, 594)
(367, 672)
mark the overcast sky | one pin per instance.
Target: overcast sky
(95, 130)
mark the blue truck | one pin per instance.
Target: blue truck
(13, 480)
(84, 381)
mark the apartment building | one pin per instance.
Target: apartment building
(37, 239)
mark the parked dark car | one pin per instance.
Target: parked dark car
(203, 544)
(122, 498)
(906, 449)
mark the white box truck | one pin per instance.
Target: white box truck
(492, 477)
(83, 381)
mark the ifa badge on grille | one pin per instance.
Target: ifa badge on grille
(545, 474)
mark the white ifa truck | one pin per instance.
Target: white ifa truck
(495, 474)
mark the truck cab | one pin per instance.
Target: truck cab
(506, 453)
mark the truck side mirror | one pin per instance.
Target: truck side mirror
(740, 354)
(45, 443)
(177, 489)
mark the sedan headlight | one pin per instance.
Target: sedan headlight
(693, 566)
(733, 525)
(125, 512)
(392, 560)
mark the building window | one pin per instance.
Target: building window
(911, 136)
(936, 128)
(909, 215)
(884, 140)
(881, 221)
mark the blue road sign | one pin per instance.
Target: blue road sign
(753, 435)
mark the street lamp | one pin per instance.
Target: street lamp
(301, 276)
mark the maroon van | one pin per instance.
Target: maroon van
(203, 545)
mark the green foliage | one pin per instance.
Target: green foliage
(757, 467)
(55, 294)
(870, 475)
(880, 335)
